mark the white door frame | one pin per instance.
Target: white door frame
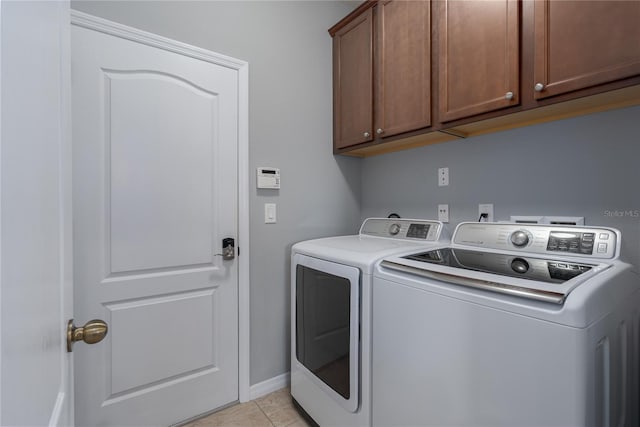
(108, 27)
(49, 127)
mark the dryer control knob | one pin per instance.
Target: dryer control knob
(394, 229)
(520, 238)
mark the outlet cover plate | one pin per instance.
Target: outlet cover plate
(488, 209)
(443, 177)
(443, 213)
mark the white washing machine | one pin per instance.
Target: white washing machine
(331, 315)
(510, 325)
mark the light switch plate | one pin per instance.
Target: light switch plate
(269, 213)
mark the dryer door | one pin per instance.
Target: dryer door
(325, 341)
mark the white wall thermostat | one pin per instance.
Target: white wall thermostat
(268, 178)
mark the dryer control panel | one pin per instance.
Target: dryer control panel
(401, 228)
(591, 242)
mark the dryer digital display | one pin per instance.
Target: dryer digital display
(418, 231)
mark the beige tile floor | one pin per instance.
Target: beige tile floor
(273, 410)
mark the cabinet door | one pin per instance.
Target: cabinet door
(579, 44)
(353, 82)
(403, 67)
(478, 51)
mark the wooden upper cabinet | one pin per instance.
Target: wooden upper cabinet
(579, 44)
(353, 82)
(381, 71)
(478, 56)
(403, 67)
(407, 68)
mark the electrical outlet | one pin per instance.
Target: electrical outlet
(443, 213)
(443, 177)
(485, 208)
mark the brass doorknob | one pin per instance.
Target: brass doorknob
(92, 332)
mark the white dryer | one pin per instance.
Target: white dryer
(510, 325)
(331, 315)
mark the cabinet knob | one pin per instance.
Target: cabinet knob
(539, 87)
(379, 131)
(509, 95)
(366, 134)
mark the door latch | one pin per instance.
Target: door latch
(228, 249)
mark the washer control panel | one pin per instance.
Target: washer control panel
(576, 242)
(401, 228)
(557, 239)
(521, 238)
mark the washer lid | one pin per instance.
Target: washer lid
(512, 265)
(542, 279)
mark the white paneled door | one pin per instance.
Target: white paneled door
(155, 137)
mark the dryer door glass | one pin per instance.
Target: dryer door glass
(323, 325)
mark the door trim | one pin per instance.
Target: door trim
(91, 22)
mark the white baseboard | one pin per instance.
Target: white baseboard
(268, 386)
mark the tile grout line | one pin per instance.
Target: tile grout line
(280, 406)
(265, 414)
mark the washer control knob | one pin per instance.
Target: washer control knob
(520, 238)
(519, 265)
(394, 229)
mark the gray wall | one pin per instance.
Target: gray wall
(586, 166)
(289, 54)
